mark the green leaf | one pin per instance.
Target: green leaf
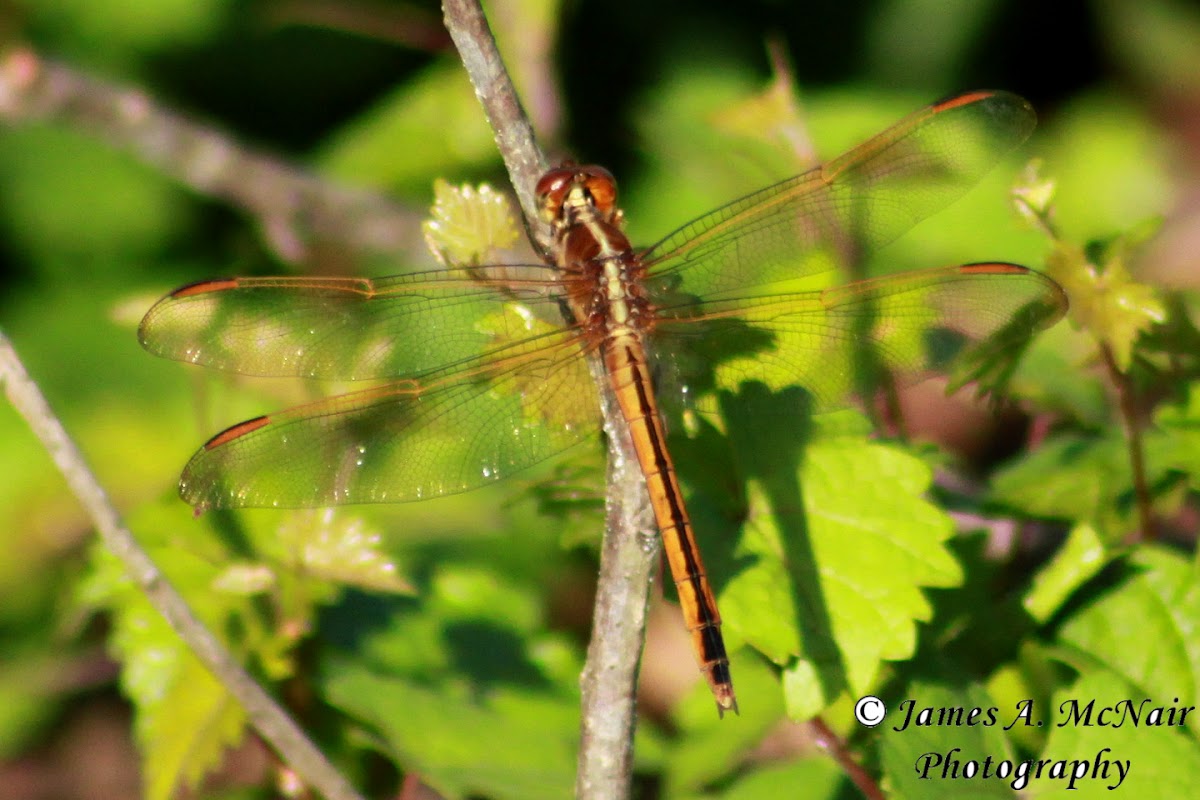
(1177, 444)
(1073, 477)
(1077, 561)
(511, 743)
(1162, 762)
(818, 778)
(184, 733)
(840, 554)
(915, 758)
(463, 686)
(185, 717)
(340, 547)
(1105, 299)
(1159, 598)
(391, 146)
(119, 25)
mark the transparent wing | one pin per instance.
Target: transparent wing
(348, 328)
(459, 428)
(834, 214)
(832, 342)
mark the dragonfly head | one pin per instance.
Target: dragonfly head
(565, 192)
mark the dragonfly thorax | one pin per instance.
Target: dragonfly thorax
(603, 277)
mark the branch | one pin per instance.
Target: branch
(294, 209)
(836, 747)
(271, 721)
(513, 133)
(609, 680)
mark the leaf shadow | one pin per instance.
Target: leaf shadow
(767, 435)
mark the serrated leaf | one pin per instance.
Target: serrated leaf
(468, 224)
(184, 734)
(834, 591)
(1161, 762)
(185, 717)
(1105, 299)
(341, 547)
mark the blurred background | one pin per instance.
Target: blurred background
(103, 208)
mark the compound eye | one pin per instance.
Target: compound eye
(601, 186)
(551, 191)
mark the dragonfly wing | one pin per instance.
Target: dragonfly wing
(345, 328)
(831, 216)
(458, 429)
(832, 342)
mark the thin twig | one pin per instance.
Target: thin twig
(267, 717)
(1133, 433)
(829, 741)
(295, 210)
(1041, 214)
(514, 134)
(627, 562)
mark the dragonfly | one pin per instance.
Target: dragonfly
(472, 382)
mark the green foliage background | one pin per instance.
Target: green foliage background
(444, 639)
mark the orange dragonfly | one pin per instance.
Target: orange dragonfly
(475, 386)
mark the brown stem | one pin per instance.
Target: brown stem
(294, 209)
(609, 680)
(1133, 433)
(833, 744)
(514, 134)
(267, 717)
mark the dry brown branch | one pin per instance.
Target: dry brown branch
(267, 717)
(628, 557)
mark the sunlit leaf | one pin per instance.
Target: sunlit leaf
(468, 225)
(1105, 299)
(186, 731)
(341, 547)
(464, 688)
(1161, 762)
(185, 718)
(843, 578)
(1081, 556)
(1159, 597)
(512, 745)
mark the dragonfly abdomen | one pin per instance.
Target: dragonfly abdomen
(629, 373)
